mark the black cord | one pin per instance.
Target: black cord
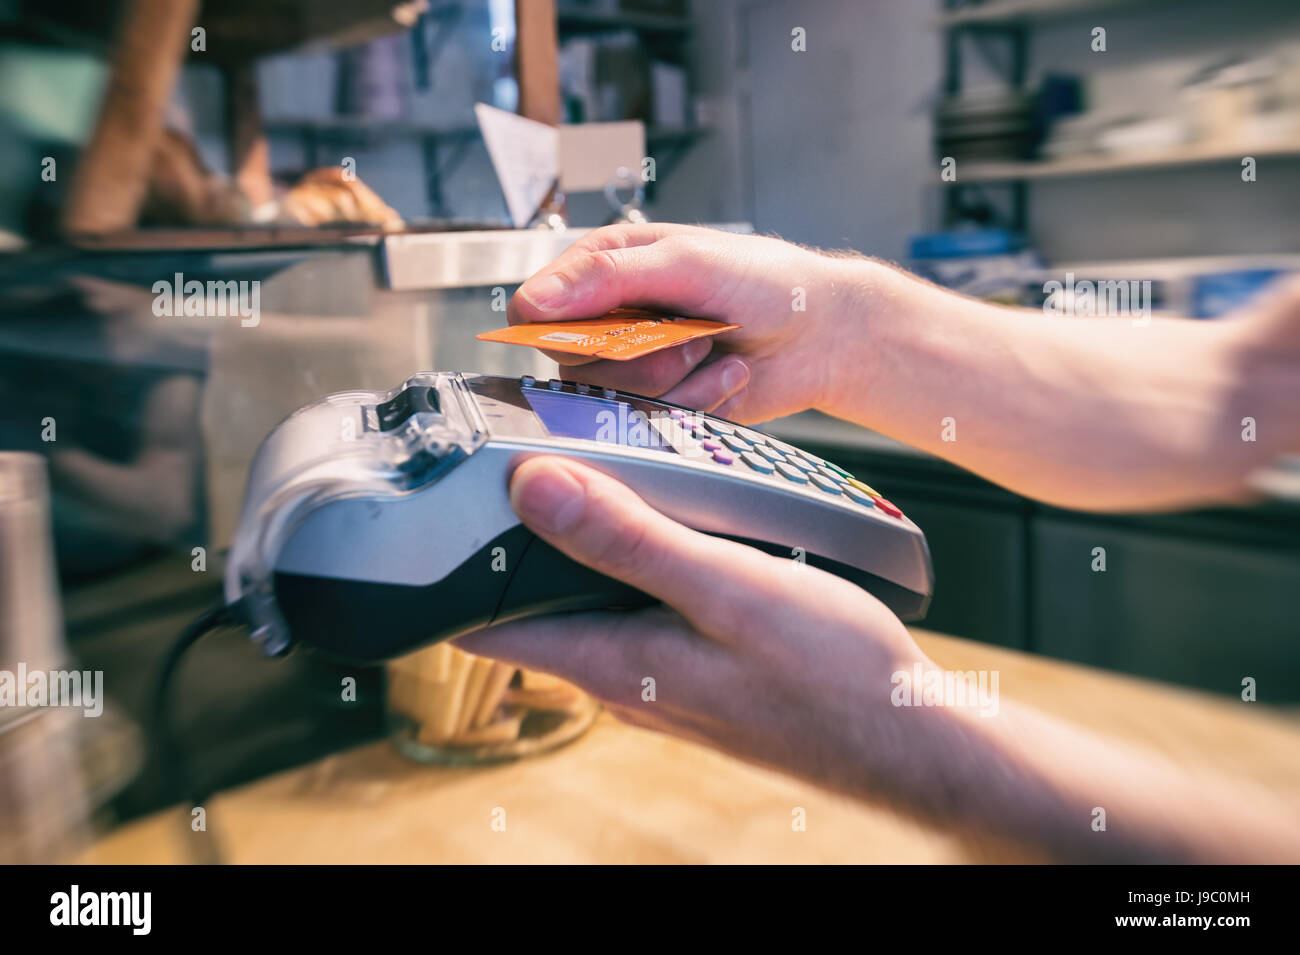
(171, 754)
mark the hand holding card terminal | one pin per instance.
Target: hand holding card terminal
(375, 523)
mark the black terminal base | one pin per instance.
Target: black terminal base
(515, 575)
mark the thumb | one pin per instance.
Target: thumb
(661, 275)
(717, 585)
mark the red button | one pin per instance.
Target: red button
(888, 508)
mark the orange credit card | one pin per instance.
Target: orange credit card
(623, 334)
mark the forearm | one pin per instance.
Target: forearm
(1098, 414)
(1025, 778)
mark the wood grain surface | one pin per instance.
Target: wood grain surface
(624, 795)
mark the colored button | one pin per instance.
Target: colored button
(888, 508)
(803, 465)
(737, 444)
(834, 475)
(864, 487)
(717, 427)
(853, 494)
(813, 458)
(838, 470)
(791, 474)
(528, 381)
(772, 454)
(711, 445)
(723, 457)
(677, 413)
(826, 484)
(761, 465)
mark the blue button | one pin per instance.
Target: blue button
(736, 444)
(791, 474)
(826, 484)
(853, 494)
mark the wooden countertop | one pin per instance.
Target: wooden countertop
(621, 794)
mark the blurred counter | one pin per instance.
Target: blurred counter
(624, 795)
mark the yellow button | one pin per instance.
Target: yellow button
(865, 488)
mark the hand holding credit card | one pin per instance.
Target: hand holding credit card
(621, 335)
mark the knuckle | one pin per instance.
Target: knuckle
(663, 373)
(683, 246)
(629, 551)
(603, 265)
(729, 614)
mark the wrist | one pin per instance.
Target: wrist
(870, 304)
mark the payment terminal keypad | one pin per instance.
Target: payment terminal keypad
(736, 447)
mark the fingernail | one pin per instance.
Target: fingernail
(548, 498)
(546, 291)
(735, 376)
(696, 350)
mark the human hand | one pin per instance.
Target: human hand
(767, 659)
(793, 306)
(790, 667)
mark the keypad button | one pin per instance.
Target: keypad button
(772, 454)
(853, 494)
(737, 443)
(803, 465)
(717, 427)
(555, 384)
(791, 474)
(723, 457)
(711, 445)
(809, 456)
(527, 381)
(834, 475)
(584, 389)
(864, 487)
(609, 392)
(677, 413)
(759, 464)
(826, 484)
(890, 509)
(839, 470)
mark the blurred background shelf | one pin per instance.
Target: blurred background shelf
(1027, 11)
(573, 19)
(236, 29)
(1096, 165)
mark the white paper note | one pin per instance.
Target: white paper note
(525, 155)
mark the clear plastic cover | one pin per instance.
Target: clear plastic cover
(357, 443)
